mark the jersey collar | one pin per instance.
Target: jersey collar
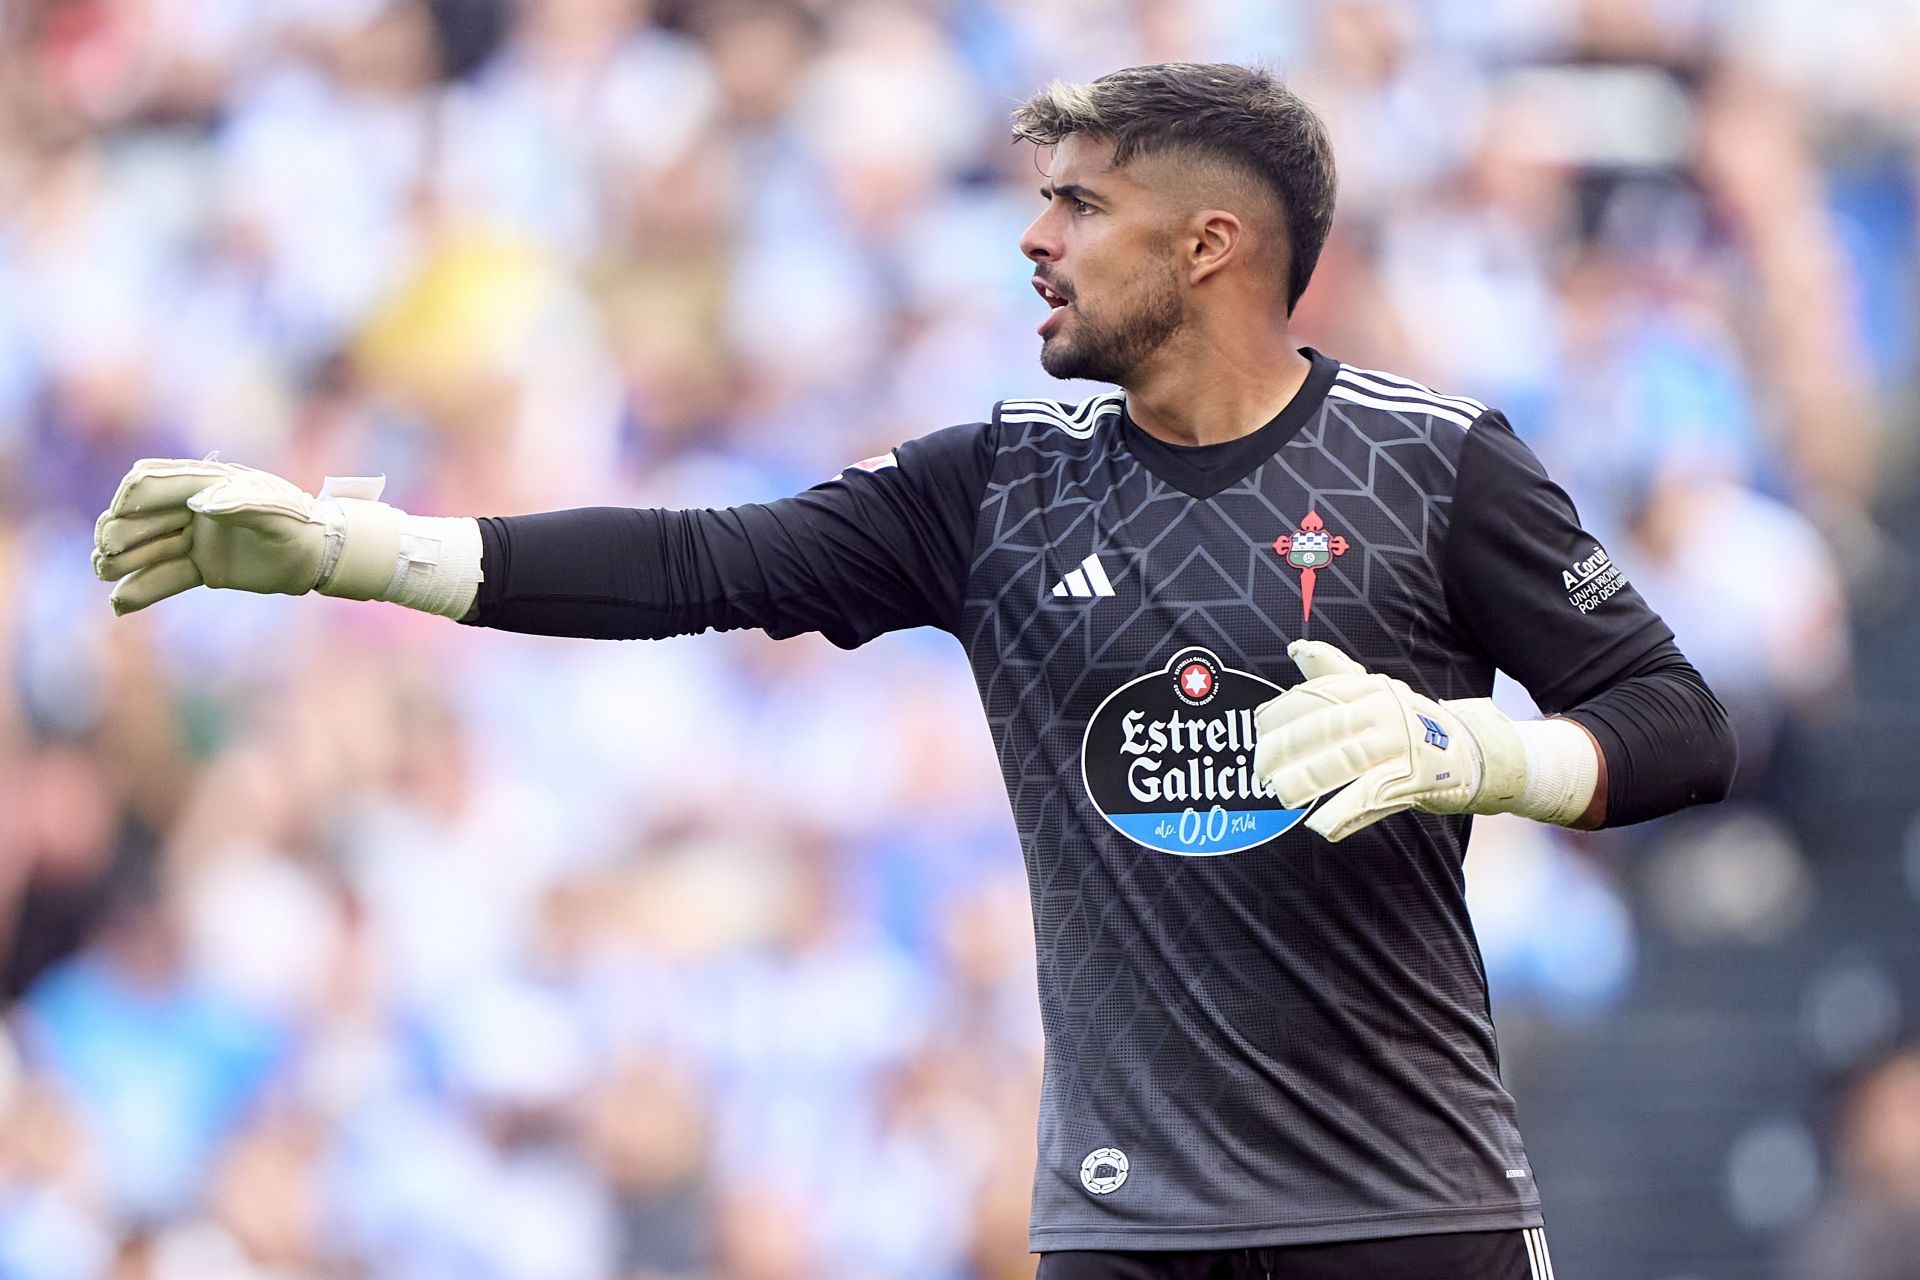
(1203, 470)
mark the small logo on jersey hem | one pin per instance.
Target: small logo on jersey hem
(1104, 1169)
(1309, 549)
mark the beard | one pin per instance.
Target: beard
(1110, 350)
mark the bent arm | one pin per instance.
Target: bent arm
(1664, 741)
(1534, 591)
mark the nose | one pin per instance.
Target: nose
(1039, 242)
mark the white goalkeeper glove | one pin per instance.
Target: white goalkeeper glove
(175, 523)
(1391, 748)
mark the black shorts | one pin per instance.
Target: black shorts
(1464, 1255)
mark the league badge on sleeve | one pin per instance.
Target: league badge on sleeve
(1309, 549)
(879, 462)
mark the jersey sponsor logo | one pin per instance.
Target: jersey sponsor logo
(1168, 759)
(1089, 581)
(1104, 1169)
(1309, 549)
(1593, 581)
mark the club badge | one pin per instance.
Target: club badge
(1309, 549)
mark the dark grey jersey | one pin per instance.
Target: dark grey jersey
(1255, 1037)
(1252, 1037)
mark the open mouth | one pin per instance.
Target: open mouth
(1055, 301)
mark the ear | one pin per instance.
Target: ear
(1213, 238)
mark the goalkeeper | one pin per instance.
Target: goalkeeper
(176, 524)
(1249, 604)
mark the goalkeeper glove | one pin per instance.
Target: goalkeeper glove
(176, 523)
(1391, 749)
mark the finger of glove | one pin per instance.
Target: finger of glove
(114, 534)
(155, 484)
(113, 568)
(1354, 809)
(1289, 727)
(1302, 779)
(1288, 752)
(1314, 695)
(244, 497)
(1317, 658)
(1369, 731)
(153, 584)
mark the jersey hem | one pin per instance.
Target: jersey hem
(1269, 1235)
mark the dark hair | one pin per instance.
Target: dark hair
(1240, 115)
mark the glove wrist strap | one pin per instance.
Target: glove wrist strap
(363, 548)
(378, 552)
(1541, 769)
(1563, 770)
(439, 566)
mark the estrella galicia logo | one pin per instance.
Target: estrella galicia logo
(1168, 759)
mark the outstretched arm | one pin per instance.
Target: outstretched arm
(883, 545)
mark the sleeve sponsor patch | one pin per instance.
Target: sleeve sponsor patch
(1593, 581)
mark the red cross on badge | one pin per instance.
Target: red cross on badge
(1308, 549)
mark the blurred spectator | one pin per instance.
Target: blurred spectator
(647, 1131)
(158, 1071)
(1869, 1229)
(60, 858)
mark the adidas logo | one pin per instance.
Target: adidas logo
(1085, 582)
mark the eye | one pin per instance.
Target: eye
(1081, 208)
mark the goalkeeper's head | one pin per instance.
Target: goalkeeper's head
(1176, 193)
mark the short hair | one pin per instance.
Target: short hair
(1242, 116)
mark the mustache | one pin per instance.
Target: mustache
(1054, 283)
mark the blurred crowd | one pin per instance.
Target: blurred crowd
(340, 941)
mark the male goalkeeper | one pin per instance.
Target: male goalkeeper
(1234, 625)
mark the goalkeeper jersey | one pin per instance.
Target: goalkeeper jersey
(1252, 1037)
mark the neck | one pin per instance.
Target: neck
(1203, 388)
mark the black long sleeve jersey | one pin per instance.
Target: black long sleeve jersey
(1252, 1037)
